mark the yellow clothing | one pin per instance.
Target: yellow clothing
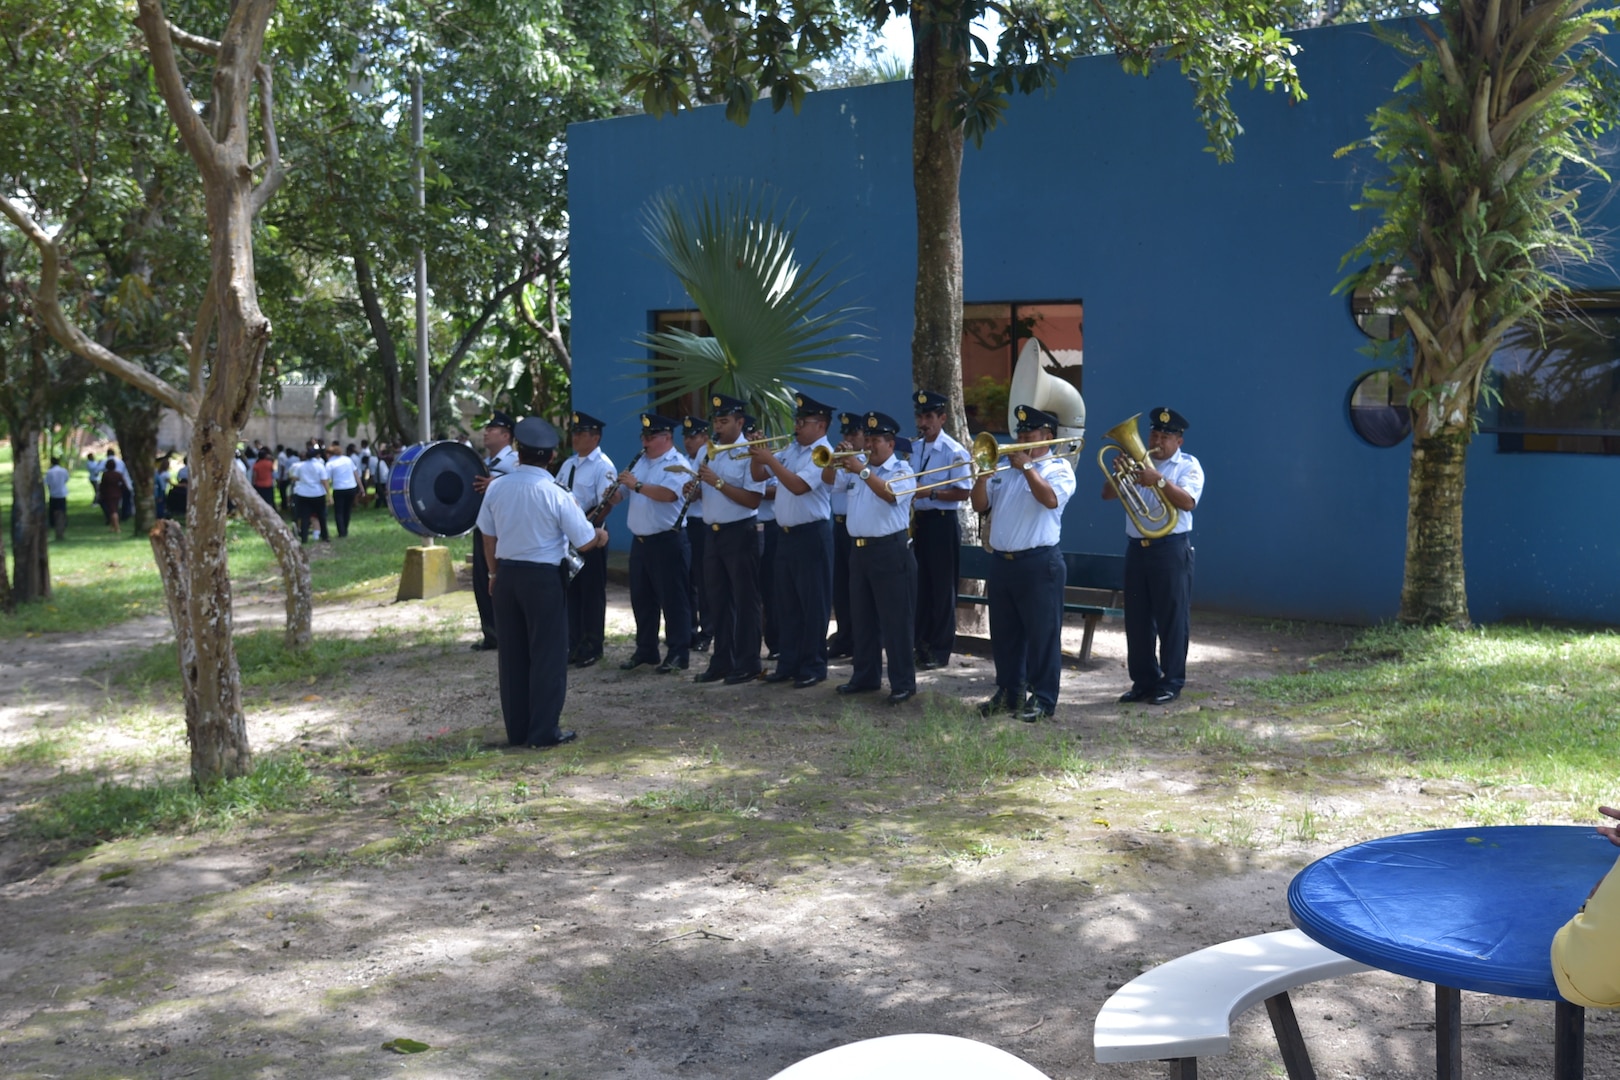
(1586, 950)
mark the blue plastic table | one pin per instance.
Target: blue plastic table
(1465, 909)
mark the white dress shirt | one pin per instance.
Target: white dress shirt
(869, 514)
(1183, 471)
(342, 470)
(694, 509)
(309, 478)
(1017, 521)
(587, 478)
(531, 518)
(646, 515)
(934, 455)
(718, 509)
(813, 505)
(56, 482)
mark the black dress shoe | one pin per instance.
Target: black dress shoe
(900, 697)
(635, 662)
(773, 655)
(701, 642)
(483, 646)
(778, 676)
(808, 681)
(1033, 710)
(1165, 697)
(837, 647)
(851, 688)
(564, 736)
(1134, 694)
(742, 677)
(672, 662)
(710, 676)
(587, 661)
(925, 662)
(1004, 701)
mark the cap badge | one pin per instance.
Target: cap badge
(646, 421)
(575, 418)
(871, 421)
(922, 397)
(1164, 416)
(1022, 415)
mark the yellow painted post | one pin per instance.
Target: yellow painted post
(428, 573)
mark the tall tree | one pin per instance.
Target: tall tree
(1503, 97)
(746, 50)
(236, 185)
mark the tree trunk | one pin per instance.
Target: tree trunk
(395, 414)
(136, 426)
(289, 554)
(8, 603)
(1433, 592)
(30, 525)
(169, 551)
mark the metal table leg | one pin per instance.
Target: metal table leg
(1569, 1041)
(1447, 1033)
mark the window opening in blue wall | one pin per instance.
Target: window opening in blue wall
(992, 334)
(693, 403)
(1555, 388)
(1376, 312)
(1378, 410)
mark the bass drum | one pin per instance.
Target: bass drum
(430, 488)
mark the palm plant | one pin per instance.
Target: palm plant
(774, 325)
(1503, 96)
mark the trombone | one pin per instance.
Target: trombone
(1133, 458)
(741, 450)
(987, 452)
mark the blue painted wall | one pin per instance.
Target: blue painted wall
(1207, 287)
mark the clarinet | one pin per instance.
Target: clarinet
(688, 490)
(605, 507)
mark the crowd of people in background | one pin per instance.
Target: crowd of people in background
(302, 483)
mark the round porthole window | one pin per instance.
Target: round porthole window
(1375, 311)
(1378, 410)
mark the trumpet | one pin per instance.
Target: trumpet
(741, 450)
(1132, 459)
(823, 456)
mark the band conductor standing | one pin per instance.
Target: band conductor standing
(1027, 574)
(882, 575)
(499, 458)
(527, 523)
(658, 550)
(804, 554)
(1159, 572)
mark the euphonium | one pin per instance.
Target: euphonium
(1132, 459)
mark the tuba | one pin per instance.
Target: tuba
(1132, 458)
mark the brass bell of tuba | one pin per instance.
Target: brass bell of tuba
(1132, 458)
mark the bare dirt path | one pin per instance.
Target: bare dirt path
(708, 885)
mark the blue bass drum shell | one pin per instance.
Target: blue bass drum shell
(430, 488)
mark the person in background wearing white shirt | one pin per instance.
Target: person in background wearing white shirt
(310, 483)
(695, 437)
(345, 477)
(526, 523)
(56, 485)
(588, 475)
(500, 458)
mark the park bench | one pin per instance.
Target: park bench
(1183, 1010)
(1086, 571)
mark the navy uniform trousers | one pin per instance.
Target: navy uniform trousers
(695, 539)
(486, 602)
(1025, 590)
(840, 642)
(532, 628)
(770, 537)
(731, 584)
(659, 585)
(882, 611)
(803, 598)
(937, 543)
(587, 607)
(1158, 597)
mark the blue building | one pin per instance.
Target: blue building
(1206, 287)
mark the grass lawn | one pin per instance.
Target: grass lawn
(98, 578)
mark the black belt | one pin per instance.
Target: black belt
(840, 518)
(514, 563)
(1014, 556)
(806, 525)
(868, 541)
(922, 512)
(1160, 540)
(653, 536)
(718, 525)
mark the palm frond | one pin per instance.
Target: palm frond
(775, 327)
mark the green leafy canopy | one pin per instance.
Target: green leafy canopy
(775, 324)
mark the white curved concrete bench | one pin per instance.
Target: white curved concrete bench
(913, 1057)
(1183, 1010)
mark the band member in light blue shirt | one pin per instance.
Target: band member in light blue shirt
(882, 575)
(500, 458)
(803, 578)
(658, 553)
(695, 437)
(937, 527)
(731, 498)
(588, 475)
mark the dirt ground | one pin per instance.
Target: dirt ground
(675, 944)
